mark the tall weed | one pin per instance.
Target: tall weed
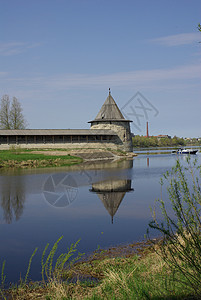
(48, 270)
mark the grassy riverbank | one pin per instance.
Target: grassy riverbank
(140, 275)
(22, 158)
(40, 158)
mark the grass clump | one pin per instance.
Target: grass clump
(52, 271)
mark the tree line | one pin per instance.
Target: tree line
(152, 141)
(11, 114)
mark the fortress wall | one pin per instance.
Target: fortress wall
(95, 145)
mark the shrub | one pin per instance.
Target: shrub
(181, 244)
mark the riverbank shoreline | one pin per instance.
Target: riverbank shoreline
(37, 158)
(133, 271)
(81, 270)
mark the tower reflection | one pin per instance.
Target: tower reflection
(111, 193)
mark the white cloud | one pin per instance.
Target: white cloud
(14, 48)
(177, 39)
(3, 74)
(142, 77)
(179, 77)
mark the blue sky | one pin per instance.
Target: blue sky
(60, 57)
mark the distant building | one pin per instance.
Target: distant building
(160, 136)
(191, 139)
(109, 129)
(163, 136)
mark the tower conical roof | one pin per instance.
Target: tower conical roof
(109, 111)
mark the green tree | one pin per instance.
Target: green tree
(143, 141)
(163, 142)
(11, 116)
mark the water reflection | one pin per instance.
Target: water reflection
(12, 198)
(147, 161)
(57, 188)
(111, 193)
(87, 217)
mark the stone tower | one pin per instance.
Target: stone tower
(110, 117)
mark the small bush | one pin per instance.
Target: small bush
(14, 149)
(181, 246)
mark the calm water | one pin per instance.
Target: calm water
(101, 204)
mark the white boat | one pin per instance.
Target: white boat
(185, 151)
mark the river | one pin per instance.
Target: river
(103, 205)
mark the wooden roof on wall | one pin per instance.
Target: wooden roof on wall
(57, 132)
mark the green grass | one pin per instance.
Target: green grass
(142, 276)
(23, 158)
(135, 278)
(6, 155)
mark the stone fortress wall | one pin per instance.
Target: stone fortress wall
(73, 145)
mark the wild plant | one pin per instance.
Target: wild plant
(47, 269)
(51, 270)
(3, 278)
(29, 266)
(181, 244)
(15, 149)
